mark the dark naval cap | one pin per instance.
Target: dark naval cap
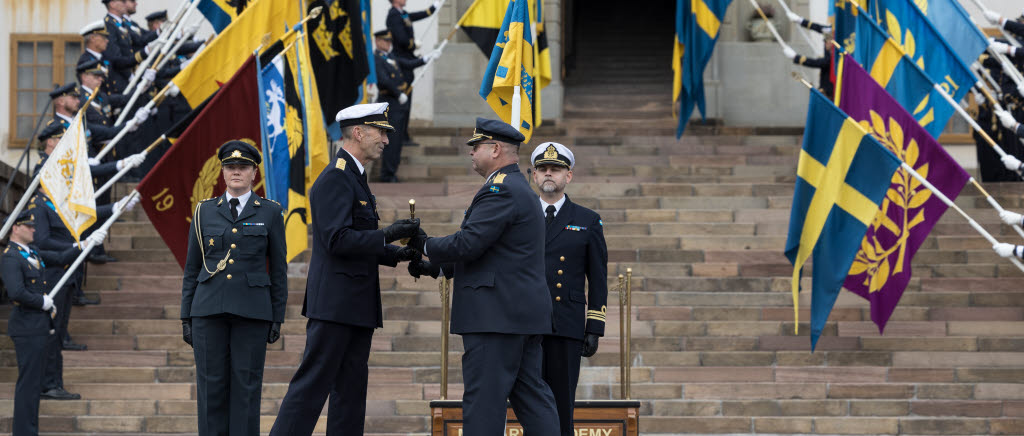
(373, 114)
(52, 129)
(158, 15)
(69, 89)
(382, 34)
(238, 152)
(495, 130)
(25, 218)
(553, 153)
(91, 66)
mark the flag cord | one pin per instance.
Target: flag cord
(802, 30)
(941, 196)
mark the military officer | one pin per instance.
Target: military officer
(394, 90)
(343, 287)
(399, 23)
(501, 305)
(575, 253)
(824, 63)
(119, 50)
(233, 294)
(95, 39)
(30, 325)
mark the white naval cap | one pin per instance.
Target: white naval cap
(374, 114)
(553, 153)
(94, 27)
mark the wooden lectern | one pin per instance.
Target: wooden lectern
(592, 417)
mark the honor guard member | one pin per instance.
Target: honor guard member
(399, 23)
(501, 305)
(30, 325)
(342, 298)
(394, 90)
(119, 50)
(95, 39)
(1015, 27)
(66, 102)
(824, 63)
(233, 294)
(155, 20)
(140, 37)
(575, 255)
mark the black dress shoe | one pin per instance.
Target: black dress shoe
(71, 346)
(101, 259)
(82, 301)
(59, 394)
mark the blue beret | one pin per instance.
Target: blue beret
(496, 130)
(238, 152)
(70, 88)
(52, 129)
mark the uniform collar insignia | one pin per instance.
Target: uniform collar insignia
(340, 164)
(499, 178)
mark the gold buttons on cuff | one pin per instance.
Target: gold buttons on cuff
(559, 272)
(231, 261)
(229, 276)
(234, 230)
(562, 258)
(558, 298)
(558, 285)
(233, 246)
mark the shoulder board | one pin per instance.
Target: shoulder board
(208, 199)
(340, 164)
(8, 248)
(499, 178)
(272, 201)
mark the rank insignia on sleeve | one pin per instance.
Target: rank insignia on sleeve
(598, 315)
(495, 189)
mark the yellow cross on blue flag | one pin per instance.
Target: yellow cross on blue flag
(513, 68)
(697, 25)
(842, 176)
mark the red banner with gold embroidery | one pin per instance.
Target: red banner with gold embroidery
(190, 172)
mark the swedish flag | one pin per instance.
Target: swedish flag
(512, 65)
(842, 176)
(697, 25)
(220, 13)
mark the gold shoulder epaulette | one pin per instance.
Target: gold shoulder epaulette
(272, 201)
(499, 178)
(208, 199)
(340, 164)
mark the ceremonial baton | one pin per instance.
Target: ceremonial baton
(802, 30)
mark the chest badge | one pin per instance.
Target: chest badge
(211, 242)
(575, 228)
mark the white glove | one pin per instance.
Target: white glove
(149, 75)
(1010, 162)
(154, 46)
(132, 125)
(416, 45)
(436, 5)
(141, 115)
(1003, 249)
(96, 238)
(372, 93)
(126, 205)
(172, 89)
(47, 303)
(794, 17)
(402, 98)
(178, 34)
(1006, 119)
(93, 161)
(193, 29)
(788, 52)
(131, 161)
(1011, 218)
(992, 16)
(999, 47)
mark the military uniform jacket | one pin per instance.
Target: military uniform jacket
(119, 53)
(53, 235)
(343, 284)
(575, 252)
(99, 116)
(390, 79)
(254, 280)
(497, 259)
(86, 56)
(399, 23)
(26, 285)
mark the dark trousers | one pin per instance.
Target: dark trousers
(562, 373)
(230, 351)
(392, 155)
(334, 364)
(31, 352)
(54, 376)
(496, 367)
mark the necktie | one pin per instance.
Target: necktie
(550, 214)
(234, 208)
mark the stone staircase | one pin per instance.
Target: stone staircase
(702, 223)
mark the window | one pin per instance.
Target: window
(40, 61)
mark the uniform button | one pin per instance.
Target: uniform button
(229, 276)
(558, 298)
(231, 261)
(233, 246)
(559, 272)
(234, 230)
(558, 285)
(562, 258)
(33, 280)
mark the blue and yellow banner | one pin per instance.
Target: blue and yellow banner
(871, 47)
(842, 176)
(220, 13)
(955, 25)
(513, 64)
(697, 26)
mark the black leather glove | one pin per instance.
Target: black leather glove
(418, 241)
(590, 344)
(403, 228)
(407, 253)
(419, 268)
(275, 333)
(186, 331)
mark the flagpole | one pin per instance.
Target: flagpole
(803, 32)
(974, 124)
(135, 96)
(125, 170)
(1007, 35)
(35, 181)
(985, 74)
(941, 196)
(185, 37)
(164, 37)
(988, 94)
(771, 26)
(517, 101)
(156, 101)
(423, 70)
(88, 248)
(995, 205)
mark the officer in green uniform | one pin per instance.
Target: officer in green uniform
(233, 294)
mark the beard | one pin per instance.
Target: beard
(549, 187)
